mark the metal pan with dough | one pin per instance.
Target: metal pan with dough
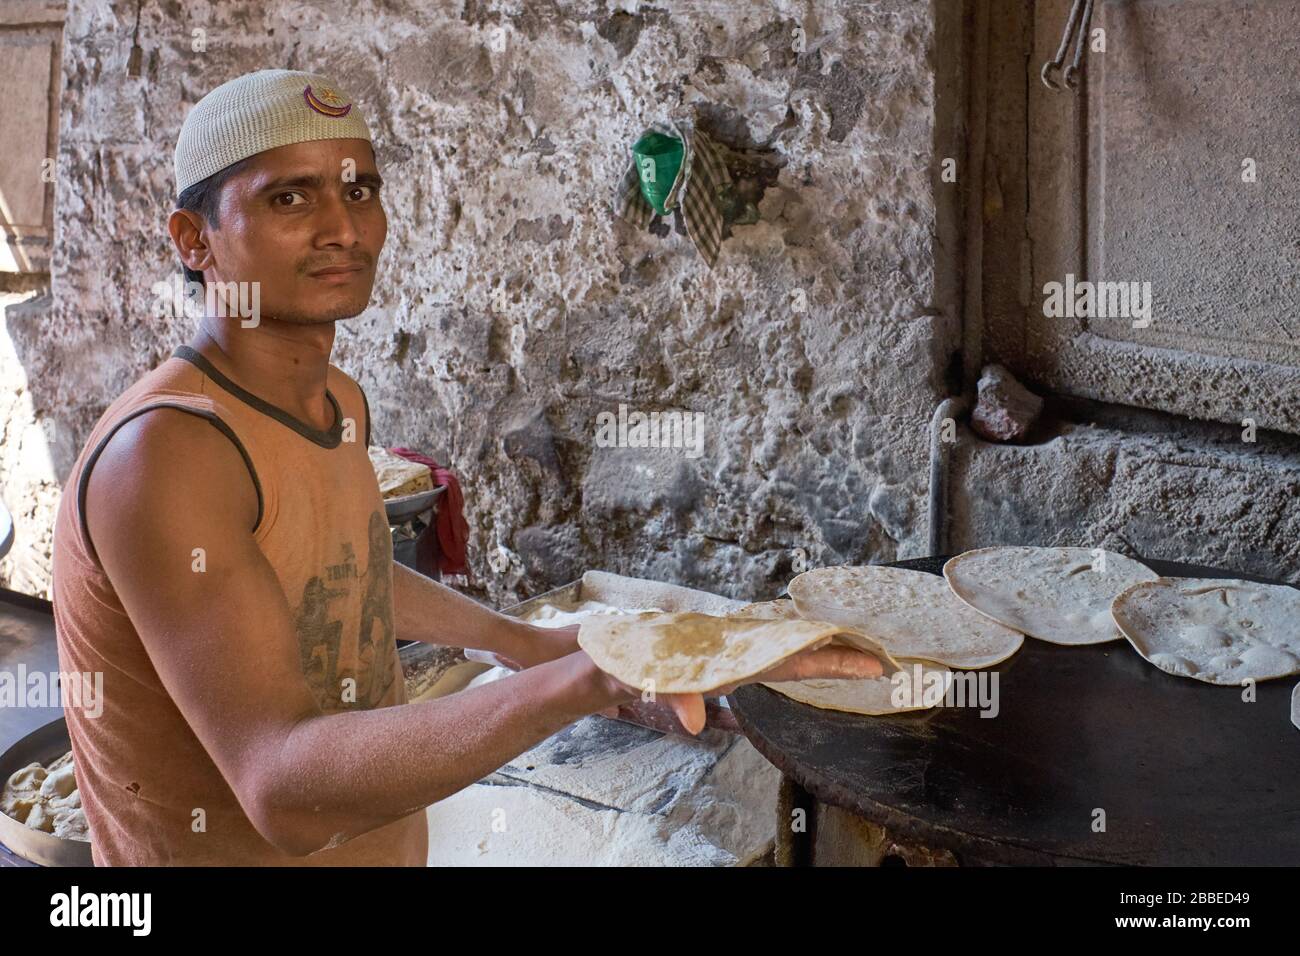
(43, 745)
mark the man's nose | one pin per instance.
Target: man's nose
(336, 225)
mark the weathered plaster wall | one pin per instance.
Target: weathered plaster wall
(500, 129)
(30, 480)
(1138, 483)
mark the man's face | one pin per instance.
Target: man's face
(306, 222)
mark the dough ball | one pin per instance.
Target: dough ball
(71, 825)
(40, 819)
(18, 807)
(28, 779)
(59, 783)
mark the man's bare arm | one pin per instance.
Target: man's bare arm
(428, 611)
(223, 643)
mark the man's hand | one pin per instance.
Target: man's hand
(538, 645)
(826, 662)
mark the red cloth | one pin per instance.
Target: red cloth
(450, 523)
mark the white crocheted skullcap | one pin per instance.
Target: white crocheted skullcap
(259, 111)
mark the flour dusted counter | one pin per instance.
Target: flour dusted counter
(602, 791)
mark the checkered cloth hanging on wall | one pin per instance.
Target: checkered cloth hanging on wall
(702, 176)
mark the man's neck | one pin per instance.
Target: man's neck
(281, 362)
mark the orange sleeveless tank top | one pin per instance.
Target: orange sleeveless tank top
(140, 769)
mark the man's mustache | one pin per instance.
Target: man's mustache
(363, 261)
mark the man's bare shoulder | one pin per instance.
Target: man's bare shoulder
(175, 461)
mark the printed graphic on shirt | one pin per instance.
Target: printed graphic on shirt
(329, 657)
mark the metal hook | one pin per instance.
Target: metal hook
(1076, 30)
(1046, 78)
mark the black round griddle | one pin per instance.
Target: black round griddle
(1186, 772)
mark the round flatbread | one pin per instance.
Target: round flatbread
(1060, 595)
(912, 613)
(873, 697)
(784, 610)
(1213, 630)
(691, 653)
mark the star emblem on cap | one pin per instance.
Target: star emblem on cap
(326, 102)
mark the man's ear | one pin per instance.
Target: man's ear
(188, 232)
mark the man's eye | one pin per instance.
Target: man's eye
(361, 193)
(291, 196)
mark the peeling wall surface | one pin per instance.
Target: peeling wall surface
(1138, 483)
(511, 308)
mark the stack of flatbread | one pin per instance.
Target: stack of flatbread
(686, 652)
(398, 477)
(976, 615)
(911, 612)
(908, 619)
(927, 681)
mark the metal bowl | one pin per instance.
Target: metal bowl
(43, 745)
(403, 509)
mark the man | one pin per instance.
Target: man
(222, 556)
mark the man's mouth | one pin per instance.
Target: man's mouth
(339, 274)
(328, 271)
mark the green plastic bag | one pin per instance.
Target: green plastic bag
(658, 159)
